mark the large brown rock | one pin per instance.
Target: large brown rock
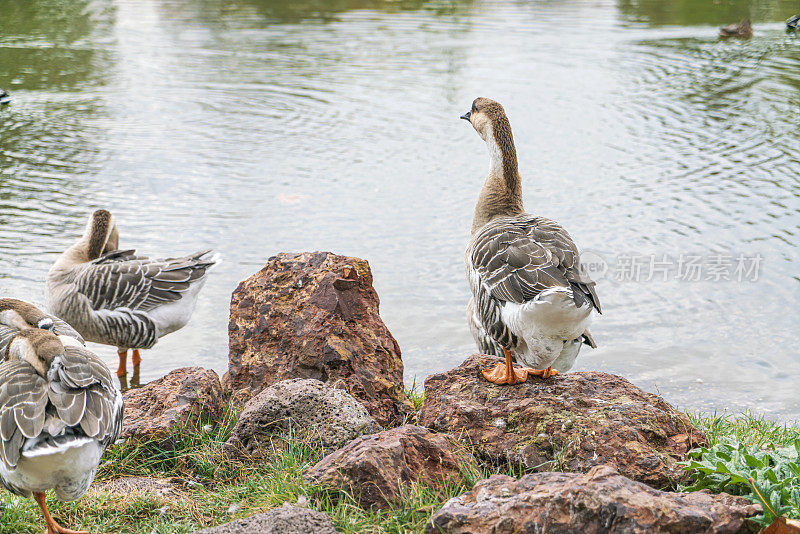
(187, 394)
(315, 315)
(377, 468)
(568, 422)
(600, 501)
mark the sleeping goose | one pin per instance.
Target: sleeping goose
(531, 298)
(17, 314)
(59, 410)
(117, 298)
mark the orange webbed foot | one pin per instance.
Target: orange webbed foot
(505, 373)
(544, 373)
(500, 375)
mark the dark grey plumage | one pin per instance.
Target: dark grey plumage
(515, 258)
(118, 290)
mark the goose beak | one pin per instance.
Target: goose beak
(466, 115)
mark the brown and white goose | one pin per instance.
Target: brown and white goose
(59, 410)
(117, 298)
(531, 298)
(17, 314)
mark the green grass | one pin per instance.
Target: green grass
(747, 428)
(416, 395)
(221, 490)
(751, 456)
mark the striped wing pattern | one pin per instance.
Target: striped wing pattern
(514, 259)
(121, 279)
(7, 334)
(82, 396)
(23, 400)
(122, 287)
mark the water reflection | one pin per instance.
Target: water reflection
(662, 13)
(259, 127)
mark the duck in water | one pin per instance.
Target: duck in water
(743, 29)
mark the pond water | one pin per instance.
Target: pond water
(256, 127)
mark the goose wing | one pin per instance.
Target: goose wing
(7, 333)
(84, 395)
(81, 396)
(517, 258)
(120, 279)
(23, 401)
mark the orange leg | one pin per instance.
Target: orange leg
(52, 526)
(505, 373)
(122, 370)
(136, 358)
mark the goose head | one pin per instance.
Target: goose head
(40, 348)
(487, 116)
(490, 121)
(101, 235)
(20, 314)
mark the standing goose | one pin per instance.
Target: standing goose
(59, 410)
(531, 297)
(115, 297)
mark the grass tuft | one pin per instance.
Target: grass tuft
(746, 428)
(416, 395)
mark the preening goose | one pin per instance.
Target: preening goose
(531, 298)
(59, 410)
(117, 298)
(17, 314)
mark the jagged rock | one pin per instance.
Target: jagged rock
(304, 408)
(315, 315)
(153, 411)
(376, 468)
(284, 520)
(572, 422)
(600, 501)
